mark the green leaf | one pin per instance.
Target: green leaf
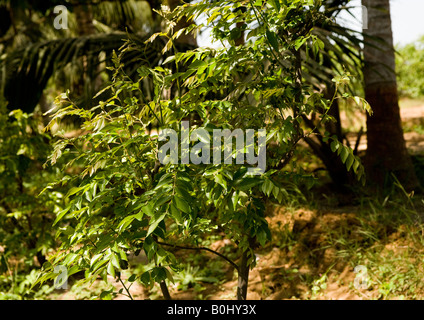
(167, 47)
(262, 236)
(182, 192)
(275, 192)
(139, 215)
(355, 166)
(95, 258)
(344, 154)
(267, 187)
(132, 278)
(235, 33)
(99, 264)
(145, 278)
(198, 64)
(154, 223)
(61, 215)
(248, 183)
(272, 39)
(175, 213)
(164, 183)
(111, 269)
(106, 295)
(73, 270)
(182, 204)
(159, 274)
(334, 145)
(276, 5)
(169, 59)
(169, 276)
(122, 255)
(115, 260)
(148, 210)
(221, 181)
(74, 191)
(125, 222)
(350, 161)
(299, 42)
(364, 103)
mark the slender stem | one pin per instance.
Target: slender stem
(126, 289)
(291, 151)
(243, 277)
(177, 70)
(298, 102)
(165, 291)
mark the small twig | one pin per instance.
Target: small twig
(126, 289)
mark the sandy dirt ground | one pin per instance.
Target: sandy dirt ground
(411, 115)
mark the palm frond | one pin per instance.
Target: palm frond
(132, 15)
(26, 71)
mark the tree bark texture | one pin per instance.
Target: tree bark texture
(386, 152)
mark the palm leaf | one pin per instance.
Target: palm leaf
(27, 70)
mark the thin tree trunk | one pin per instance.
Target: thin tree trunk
(85, 27)
(243, 277)
(241, 25)
(45, 107)
(386, 151)
(165, 291)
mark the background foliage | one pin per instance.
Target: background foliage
(410, 69)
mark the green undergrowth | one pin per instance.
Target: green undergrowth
(383, 236)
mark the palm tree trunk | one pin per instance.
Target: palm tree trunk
(386, 151)
(84, 18)
(85, 27)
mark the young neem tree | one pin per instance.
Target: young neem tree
(128, 201)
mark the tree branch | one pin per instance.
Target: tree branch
(201, 248)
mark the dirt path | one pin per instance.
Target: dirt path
(310, 265)
(413, 123)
